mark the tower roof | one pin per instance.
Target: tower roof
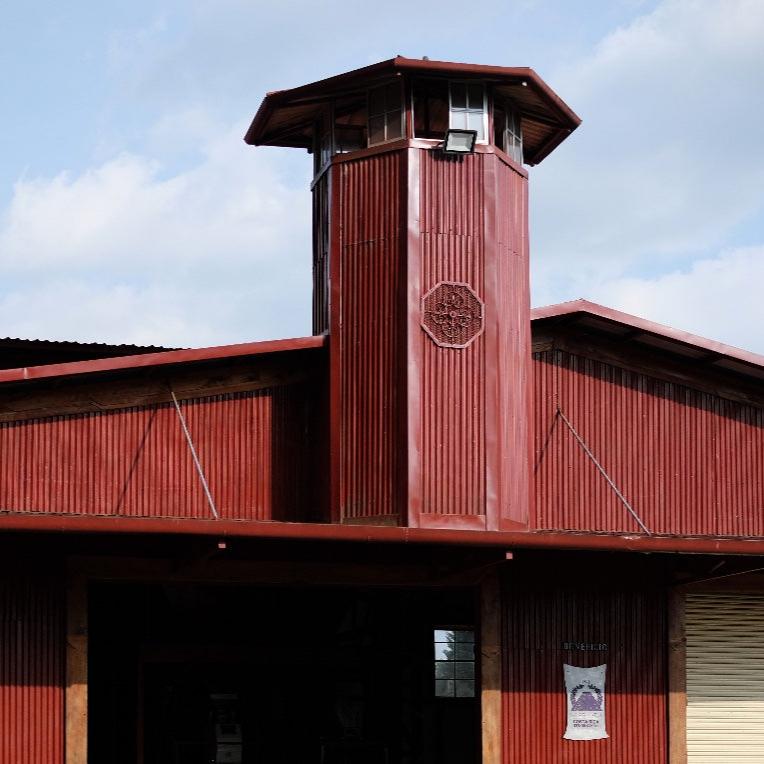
(286, 117)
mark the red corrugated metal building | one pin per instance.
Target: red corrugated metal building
(385, 542)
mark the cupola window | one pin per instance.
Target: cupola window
(508, 134)
(430, 109)
(385, 114)
(467, 108)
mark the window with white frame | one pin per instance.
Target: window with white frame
(508, 134)
(467, 108)
(385, 114)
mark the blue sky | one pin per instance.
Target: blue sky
(131, 210)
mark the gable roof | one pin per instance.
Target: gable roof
(631, 331)
(583, 316)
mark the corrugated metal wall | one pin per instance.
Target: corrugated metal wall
(725, 678)
(254, 448)
(438, 432)
(513, 372)
(453, 380)
(475, 401)
(631, 624)
(369, 338)
(689, 462)
(32, 667)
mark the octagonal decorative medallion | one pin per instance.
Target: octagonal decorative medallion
(452, 314)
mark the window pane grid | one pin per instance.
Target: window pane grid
(513, 136)
(385, 114)
(454, 664)
(467, 108)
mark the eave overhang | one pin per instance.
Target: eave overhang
(377, 534)
(285, 117)
(599, 322)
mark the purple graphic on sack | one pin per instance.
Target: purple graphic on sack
(586, 697)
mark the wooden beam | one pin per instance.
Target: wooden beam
(490, 668)
(677, 676)
(76, 669)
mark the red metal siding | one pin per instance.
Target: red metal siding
(422, 428)
(632, 625)
(475, 411)
(452, 248)
(513, 372)
(31, 671)
(369, 352)
(252, 446)
(688, 462)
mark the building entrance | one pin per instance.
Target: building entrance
(206, 674)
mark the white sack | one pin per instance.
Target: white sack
(585, 693)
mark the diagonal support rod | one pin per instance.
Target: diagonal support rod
(604, 474)
(197, 463)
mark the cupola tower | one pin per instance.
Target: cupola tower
(420, 263)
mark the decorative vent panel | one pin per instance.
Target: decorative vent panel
(452, 314)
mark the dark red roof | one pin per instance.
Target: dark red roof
(287, 117)
(648, 335)
(596, 320)
(166, 358)
(16, 352)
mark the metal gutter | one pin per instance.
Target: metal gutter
(49, 523)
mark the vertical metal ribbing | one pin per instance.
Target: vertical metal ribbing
(688, 460)
(195, 457)
(135, 461)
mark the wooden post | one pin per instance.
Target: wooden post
(677, 676)
(76, 669)
(490, 668)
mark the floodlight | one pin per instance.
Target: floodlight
(459, 141)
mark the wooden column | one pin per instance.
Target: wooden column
(76, 669)
(677, 677)
(490, 668)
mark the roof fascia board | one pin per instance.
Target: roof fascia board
(167, 358)
(561, 310)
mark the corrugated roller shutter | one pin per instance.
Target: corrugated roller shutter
(725, 678)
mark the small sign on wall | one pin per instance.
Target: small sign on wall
(585, 694)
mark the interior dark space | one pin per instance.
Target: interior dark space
(203, 674)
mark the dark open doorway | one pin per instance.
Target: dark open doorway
(195, 674)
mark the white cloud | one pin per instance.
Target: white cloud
(216, 253)
(669, 159)
(716, 297)
(211, 242)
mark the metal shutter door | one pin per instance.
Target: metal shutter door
(725, 678)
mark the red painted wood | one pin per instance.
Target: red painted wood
(688, 462)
